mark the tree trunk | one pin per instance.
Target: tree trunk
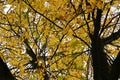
(100, 64)
(5, 73)
(46, 77)
(115, 70)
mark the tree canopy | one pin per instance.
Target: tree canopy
(60, 39)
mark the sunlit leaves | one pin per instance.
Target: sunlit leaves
(57, 32)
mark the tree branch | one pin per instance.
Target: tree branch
(111, 38)
(97, 22)
(88, 27)
(82, 40)
(27, 2)
(30, 51)
(57, 46)
(112, 19)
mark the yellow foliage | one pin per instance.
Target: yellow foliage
(55, 32)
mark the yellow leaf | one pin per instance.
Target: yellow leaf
(100, 4)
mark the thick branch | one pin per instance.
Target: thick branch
(30, 51)
(111, 38)
(97, 22)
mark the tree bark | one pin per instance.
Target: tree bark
(5, 73)
(99, 57)
(115, 70)
(46, 77)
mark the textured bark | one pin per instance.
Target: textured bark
(5, 73)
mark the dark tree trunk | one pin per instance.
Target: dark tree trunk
(46, 77)
(115, 70)
(5, 73)
(100, 64)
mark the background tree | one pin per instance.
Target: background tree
(62, 39)
(5, 73)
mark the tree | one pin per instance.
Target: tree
(5, 73)
(55, 39)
